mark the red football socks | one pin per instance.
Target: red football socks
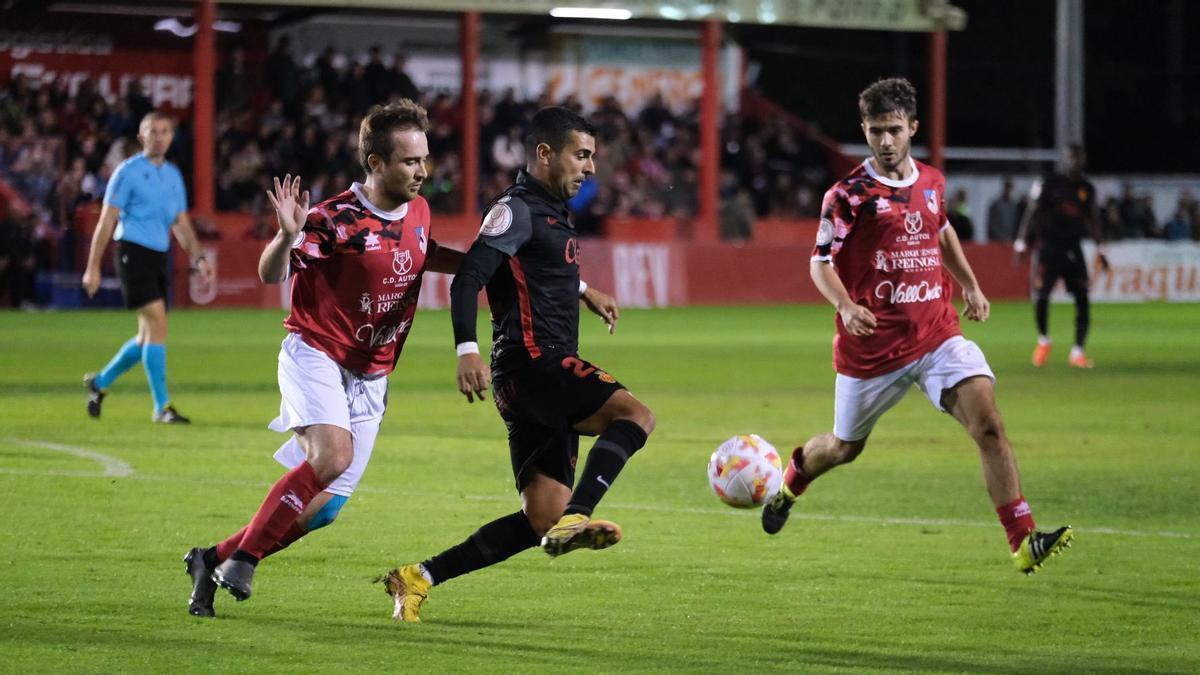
(1017, 519)
(794, 477)
(227, 547)
(277, 516)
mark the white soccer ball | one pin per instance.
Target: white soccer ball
(745, 471)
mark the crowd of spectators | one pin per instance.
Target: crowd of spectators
(305, 122)
(1130, 216)
(60, 144)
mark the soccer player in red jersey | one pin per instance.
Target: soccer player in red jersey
(356, 261)
(883, 249)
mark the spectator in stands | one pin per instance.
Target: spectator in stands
(736, 214)
(1182, 226)
(959, 215)
(1004, 214)
(1136, 214)
(1111, 225)
(281, 74)
(400, 85)
(233, 82)
(18, 267)
(508, 152)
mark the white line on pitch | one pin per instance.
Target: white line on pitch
(113, 467)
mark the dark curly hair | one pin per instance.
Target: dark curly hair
(891, 95)
(375, 135)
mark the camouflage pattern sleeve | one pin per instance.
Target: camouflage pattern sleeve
(315, 241)
(837, 217)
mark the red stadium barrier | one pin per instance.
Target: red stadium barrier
(648, 269)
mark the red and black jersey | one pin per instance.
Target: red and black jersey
(1065, 204)
(534, 297)
(882, 237)
(356, 273)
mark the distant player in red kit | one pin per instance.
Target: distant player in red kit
(882, 251)
(357, 261)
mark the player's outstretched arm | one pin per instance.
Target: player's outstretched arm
(444, 260)
(291, 208)
(955, 260)
(602, 305)
(857, 319)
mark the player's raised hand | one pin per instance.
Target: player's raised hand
(474, 377)
(858, 320)
(291, 206)
(603, 305)
(978, 308)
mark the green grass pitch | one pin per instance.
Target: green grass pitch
(894, 563)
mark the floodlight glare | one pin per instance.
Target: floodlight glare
(591, 13)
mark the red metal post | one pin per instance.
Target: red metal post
(203, 150)
(937, 99)
(710, 122)
(469, 44)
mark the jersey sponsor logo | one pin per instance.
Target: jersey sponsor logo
(882, 205)
(931, 201)
(912, 222)
(365, 303)
(497, 221)
(402, 262)
(880, 261)
(372, 242)
(382, 335)
(825, 232)
(900, 293)
(571, 253)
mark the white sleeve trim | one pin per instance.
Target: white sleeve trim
(942, 228)
(464, 348)
(821, 258)
(582, 287)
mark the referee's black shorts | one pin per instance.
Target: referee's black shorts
(541, 400)
(1064, 263)
(143, 274)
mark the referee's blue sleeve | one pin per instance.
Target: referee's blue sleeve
(120, 186)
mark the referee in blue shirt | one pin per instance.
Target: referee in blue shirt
(145, 200)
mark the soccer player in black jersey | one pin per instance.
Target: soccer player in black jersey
(1064, 213)
(527, 256)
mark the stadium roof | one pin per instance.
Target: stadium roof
(891, 15)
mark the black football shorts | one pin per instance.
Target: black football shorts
(143, 274)
(540, 401)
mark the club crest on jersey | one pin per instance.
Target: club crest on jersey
(402, 261)
(931, 201)
(912, 222)
(422, 240)
(882, 205)
(497, 221)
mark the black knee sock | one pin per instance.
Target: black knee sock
(1041, 312)
(607, 457)
(497, 541)
(1082, 317)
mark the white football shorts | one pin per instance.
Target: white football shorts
(316, 390)
(859, 403)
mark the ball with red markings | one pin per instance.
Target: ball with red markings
(745, 471)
